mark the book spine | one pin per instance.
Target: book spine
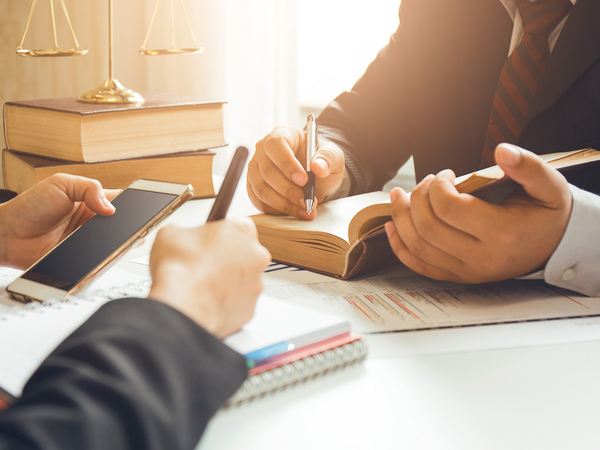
(297, 372)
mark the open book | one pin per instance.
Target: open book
(347, 237)
(284, 344)
(492, 185)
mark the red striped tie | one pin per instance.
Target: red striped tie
(521, 73)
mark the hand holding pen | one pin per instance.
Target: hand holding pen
(277, 172)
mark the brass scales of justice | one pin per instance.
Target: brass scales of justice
(110, 91)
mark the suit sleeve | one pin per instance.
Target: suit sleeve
(370, 122)
(137, 375)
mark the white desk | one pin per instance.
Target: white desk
(531, 385)
(540, 397)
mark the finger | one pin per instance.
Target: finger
(245, 225)
(284, 146)
(419, 247)
(413, 262)
(538, 178)
(286, 206)
(112, 193)
(461, 211)
(327, 160)
(434, 230)
(273, 177)
(87, 190)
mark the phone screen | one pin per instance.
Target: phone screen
(94, 241)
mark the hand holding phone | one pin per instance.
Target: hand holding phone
(97, 244)
(39, 218)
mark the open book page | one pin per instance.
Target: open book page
(571, 158)
(399, 300)
(31, 332)
(469, 182)
(333, 217)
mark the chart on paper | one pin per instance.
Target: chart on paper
(399, 299)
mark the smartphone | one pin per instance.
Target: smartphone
(97, 244)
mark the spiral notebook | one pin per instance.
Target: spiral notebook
(284, 344)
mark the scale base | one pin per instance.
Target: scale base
(111, 91)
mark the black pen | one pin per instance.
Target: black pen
(230, 182)
(311, 148)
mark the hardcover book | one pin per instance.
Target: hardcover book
(64, 128)
(22, 171)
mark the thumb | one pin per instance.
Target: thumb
(538, 178)
(327, 160)
(87, 190)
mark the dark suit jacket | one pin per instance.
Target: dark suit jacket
(429, 92)
(136, 375)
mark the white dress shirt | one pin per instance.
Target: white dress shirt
(575, 264)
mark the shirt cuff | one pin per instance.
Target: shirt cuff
(575, 264)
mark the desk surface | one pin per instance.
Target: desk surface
(541, 397)
(528, 385)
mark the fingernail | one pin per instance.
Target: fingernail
(108, 204)
(508, 154)
(323, 164)
(444, 173)
(299, 179)
(388, 229)
(394, 195)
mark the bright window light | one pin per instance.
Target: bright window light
(337, 39)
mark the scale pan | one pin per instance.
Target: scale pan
(40, 52)
(170, 51)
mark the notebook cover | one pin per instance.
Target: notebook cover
(303, 352)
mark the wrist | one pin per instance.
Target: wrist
(173, 288)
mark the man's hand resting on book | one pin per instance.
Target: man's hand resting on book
(276, 175)
(36, 220)
(212, 274)
(446, 235)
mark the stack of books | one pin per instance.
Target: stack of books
(168, 138)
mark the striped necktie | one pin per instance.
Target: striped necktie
(522, 73)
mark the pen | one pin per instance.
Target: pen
(230, 182)
(311, 148)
